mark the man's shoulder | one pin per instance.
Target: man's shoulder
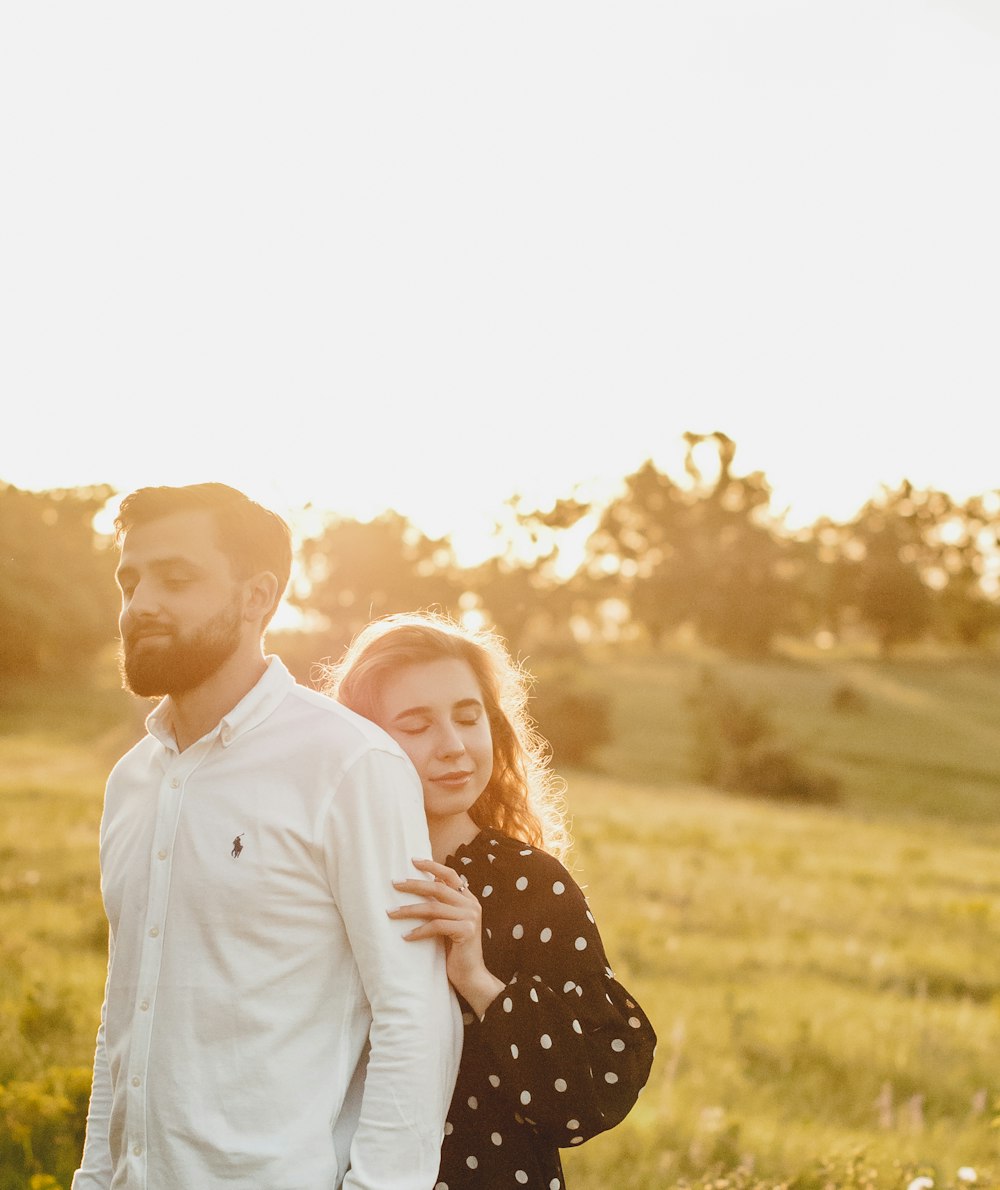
(138, 756)
(332, 722)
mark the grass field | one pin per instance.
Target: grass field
(825, 982)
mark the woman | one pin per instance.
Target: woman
(555, 1049)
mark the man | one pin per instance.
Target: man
(265, 1026)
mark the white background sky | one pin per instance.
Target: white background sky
(428, 255)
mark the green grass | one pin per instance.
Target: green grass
(923, 740)
(824, 981)
(801, 966)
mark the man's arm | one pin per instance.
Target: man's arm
(95, 1168)
(376, 826)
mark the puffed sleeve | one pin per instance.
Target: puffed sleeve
(572, 1048)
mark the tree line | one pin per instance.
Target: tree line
(707, 555)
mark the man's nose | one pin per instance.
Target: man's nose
(142, 602)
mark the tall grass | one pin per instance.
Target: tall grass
(824, 982)
(822, 985)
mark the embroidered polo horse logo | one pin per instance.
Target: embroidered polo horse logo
(237, 850)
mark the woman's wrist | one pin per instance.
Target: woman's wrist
(481, 991)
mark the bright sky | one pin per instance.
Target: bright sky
(427, 255)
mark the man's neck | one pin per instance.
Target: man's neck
(196, 712)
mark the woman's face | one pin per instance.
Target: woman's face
(434, 710)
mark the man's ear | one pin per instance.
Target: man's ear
(260, 594)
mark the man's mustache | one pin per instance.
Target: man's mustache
(133, 634)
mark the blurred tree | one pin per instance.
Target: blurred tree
(519, 590)
(967, 572)
(357, 570)
(913, 562)
(708, 555)
(57, 594)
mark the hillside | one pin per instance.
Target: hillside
(904, 737)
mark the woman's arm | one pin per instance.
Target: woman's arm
(571, 1048)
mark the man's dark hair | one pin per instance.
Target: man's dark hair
(252, 537)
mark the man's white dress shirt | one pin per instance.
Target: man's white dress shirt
(253, 971)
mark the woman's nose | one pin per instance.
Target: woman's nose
(450, 742)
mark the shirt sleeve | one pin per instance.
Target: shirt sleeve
(572, 1047)
(95, 1167)
(375, 827)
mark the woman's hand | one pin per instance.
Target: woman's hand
(450, 911)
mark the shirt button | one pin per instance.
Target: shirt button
(144, 1006)
(174, 783)
(154, 932)
(137, 1149)
(136, 1080)
(162, 854)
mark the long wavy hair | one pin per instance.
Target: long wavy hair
(523, 798)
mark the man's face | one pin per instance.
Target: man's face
(182, 608)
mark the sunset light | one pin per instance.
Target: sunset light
(432, 265)
(601, 787)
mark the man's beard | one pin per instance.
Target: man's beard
(183, 663)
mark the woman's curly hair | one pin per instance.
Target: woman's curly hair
(523, 797)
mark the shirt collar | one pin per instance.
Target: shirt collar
(252, 709)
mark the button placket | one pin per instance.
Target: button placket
(168, 805)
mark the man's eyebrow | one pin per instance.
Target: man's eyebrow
(160, 564)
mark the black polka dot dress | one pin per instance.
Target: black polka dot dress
(561, 1054)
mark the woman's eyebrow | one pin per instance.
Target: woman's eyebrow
(411, 711)
(461, 705)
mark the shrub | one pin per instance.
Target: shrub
(737, 750)
(42, 1124)
(575, 719)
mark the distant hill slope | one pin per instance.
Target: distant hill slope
(909, 736)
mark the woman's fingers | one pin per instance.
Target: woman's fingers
(423, 909)
(437, 889)
(456, 929)
(447, 907)
(443, 873)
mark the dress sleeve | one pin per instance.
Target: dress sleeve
(572, 1047)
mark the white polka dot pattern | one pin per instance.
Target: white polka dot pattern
(562, 1043)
